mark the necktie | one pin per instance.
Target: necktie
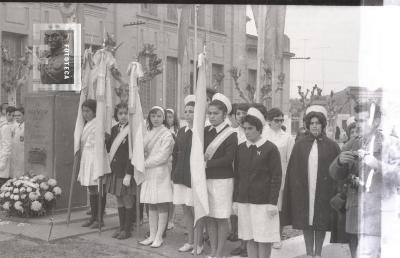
(213, 131)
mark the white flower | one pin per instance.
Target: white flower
(21, 178)
(6, 206)
(36, 206)
(8, 183)
(7, 194)
(52, 182)
(29, 189)
(40, 177)
(49, 196)
(18, 183)
(57, 190)
(2, 195)
(22, 190)
(23, 196)
(16, 197)
(44, 186)
(16, 190)
(26, 177)
(33, 196)
(18, 206)
(12, 196)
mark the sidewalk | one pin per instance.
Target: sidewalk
(30, 236)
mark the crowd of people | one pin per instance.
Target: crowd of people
(259, 177)
(12, 129)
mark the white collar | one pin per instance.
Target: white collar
(260, 142)
(219, 127)
(187, 128)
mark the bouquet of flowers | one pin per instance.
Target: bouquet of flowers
(29, 196)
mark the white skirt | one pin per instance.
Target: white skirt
(220, 193)
(86, 176)
(182, 195)
(255, 223)
(157, 186)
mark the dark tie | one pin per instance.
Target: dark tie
(213, 131)
(253, 149)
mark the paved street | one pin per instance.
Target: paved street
(20, 238)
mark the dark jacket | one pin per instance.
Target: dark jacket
(371, 208)
(181, 158)
(295, 205)
(120, 164)
(220, 166)
(258, 174)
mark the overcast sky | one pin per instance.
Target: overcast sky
(330, 36)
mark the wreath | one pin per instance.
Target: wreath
(150, 62)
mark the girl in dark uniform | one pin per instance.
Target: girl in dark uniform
(220, 143)
(121, 182)
(258, 176)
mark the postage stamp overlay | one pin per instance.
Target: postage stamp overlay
(57, 57)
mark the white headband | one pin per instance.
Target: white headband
(257, 114)
(223, 99)
(171, 110)
(159, 108)
(189, 98)
(317, 108)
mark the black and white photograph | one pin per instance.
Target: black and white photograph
(205, 130)
(56, 47)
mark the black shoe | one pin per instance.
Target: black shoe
(93, 208)
(88, 223)
(121, 215)
(237, 251)
(126, 232)
(116, 233)
(96, 224)
(124, 235)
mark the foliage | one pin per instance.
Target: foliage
(150, 62)
(235, 74)
(29, 196)
(15, 70)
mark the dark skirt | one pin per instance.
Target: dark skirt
(115, 186)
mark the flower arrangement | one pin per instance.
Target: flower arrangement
(29, 196)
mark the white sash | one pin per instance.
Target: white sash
(149, 143)
(118, 140)
(214, 145)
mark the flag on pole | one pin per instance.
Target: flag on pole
(136, 122)
(183, 57)
(197, 163)
(183, 30)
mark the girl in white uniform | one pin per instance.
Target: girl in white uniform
(156, 190)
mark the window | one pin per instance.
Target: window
(172, 13)
(147, 95)
(252, 77)
(200, 16)
(172, 82)
(149, 9)
(219, 17)
(218, 77)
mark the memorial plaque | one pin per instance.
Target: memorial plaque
(39, 130)
(49, 133)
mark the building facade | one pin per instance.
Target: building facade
(221, 27)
